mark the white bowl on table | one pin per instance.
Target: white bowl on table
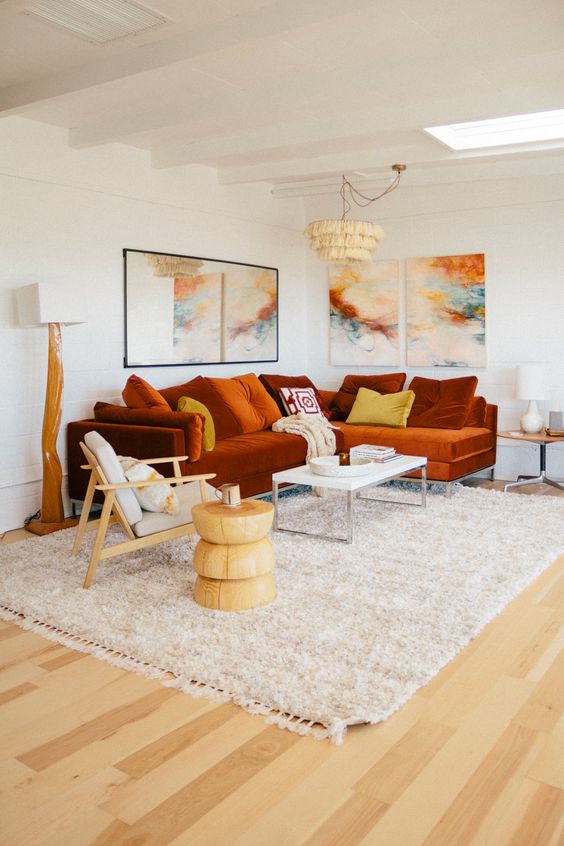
(328, 465)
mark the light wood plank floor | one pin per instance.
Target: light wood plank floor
(92, 755)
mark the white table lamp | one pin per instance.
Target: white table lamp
(531, 386)
(52, 306)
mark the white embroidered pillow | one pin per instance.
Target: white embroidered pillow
(295, 400)
(152, 497)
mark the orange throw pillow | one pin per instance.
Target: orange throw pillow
(139, 394)
(441, 403)
(200, 389)
(248, 401)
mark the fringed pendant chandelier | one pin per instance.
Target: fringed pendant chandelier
(349, 241)
(173, 266)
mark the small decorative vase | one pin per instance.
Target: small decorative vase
(532, 422)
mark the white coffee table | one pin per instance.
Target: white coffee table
(351, 484)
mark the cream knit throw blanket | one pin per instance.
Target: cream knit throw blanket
(316, 430)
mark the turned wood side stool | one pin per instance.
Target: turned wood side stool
(234, 558)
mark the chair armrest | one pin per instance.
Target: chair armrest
(143, 483)
(163, 460)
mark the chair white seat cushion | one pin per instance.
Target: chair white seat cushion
(154, 521)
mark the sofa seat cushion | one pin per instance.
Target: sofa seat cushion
(252, 454)
(225, 423)
(383, 383)
(249, 402)
(435, 444)
(153, 521)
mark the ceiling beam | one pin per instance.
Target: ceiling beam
(277, 17)
(379, 162)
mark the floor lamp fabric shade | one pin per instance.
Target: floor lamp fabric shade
(51, 306)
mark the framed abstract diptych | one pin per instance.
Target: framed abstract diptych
(441, 322)
(191, 310)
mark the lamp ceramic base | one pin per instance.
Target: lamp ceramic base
(38, 527)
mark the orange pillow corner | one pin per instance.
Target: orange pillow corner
(138, 393)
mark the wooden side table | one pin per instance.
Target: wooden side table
(234, 558)
(542, 439)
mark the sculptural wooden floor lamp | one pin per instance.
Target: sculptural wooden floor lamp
(51, 306)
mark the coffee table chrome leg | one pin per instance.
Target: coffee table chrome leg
(275, 504)
(424, 487)
(349, 517)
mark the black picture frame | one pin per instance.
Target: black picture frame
(197, 311)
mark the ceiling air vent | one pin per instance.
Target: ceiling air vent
(97, 21)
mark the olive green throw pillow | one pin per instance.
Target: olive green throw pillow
(373, 409)
(189, 404)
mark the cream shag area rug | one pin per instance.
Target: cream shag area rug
(355, 630)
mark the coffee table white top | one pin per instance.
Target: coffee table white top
(382, 472)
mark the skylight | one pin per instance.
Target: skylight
(517, 129)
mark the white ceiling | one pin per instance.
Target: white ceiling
(289, 91)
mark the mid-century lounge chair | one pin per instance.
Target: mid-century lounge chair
(143, 528)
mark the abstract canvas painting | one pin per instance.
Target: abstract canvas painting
(188, 310)
(446, 311)
(251, 311)
(197, 318)
(363, 313)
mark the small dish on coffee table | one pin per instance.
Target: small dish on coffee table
(328, 465)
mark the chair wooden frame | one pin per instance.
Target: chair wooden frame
(113, 513)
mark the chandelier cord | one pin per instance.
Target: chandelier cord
(355, 194)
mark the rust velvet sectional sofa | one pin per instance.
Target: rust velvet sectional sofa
(458, 435)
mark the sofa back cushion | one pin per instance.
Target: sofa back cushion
(373, 409)
(477, 414)
(225, 423)
(274, 382)
(248, 401)
(442, 403)
(384, 383)
(138, 393)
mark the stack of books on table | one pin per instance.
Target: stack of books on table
(375, 452)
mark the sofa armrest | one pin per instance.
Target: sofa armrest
(491, 418)
(138, 441)
(191, 424)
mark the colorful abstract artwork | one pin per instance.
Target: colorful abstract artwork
(197, 318)
(186, 310)
(363, 313)
(446, 311)
(251, 315)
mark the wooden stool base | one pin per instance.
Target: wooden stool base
(235, 594)
(234, 559)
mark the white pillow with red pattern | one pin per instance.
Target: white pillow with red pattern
(295, 400)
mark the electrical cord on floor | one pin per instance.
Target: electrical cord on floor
(35, 516)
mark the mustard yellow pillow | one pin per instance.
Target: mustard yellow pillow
(189, 404)
(373, 409)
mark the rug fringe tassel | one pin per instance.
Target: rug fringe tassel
(334, 732)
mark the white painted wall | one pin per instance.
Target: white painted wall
(65, 217)
(519, 224)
